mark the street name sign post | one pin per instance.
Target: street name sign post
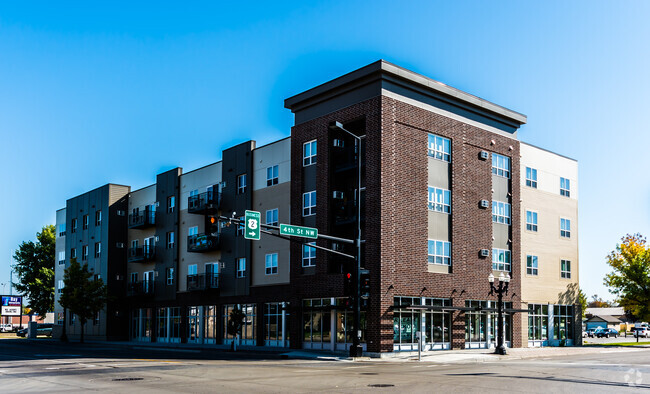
(252, 226)
(298, 231)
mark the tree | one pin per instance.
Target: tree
(582, 300)
(35, 270)
(235, 323)
(597, 302)
(630, 280)
(82, 295)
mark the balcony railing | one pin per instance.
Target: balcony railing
(202, 243)
(142, 219)
(143, 287)
(207, 202)
(346, 213)
(141, 254)
(199, 282)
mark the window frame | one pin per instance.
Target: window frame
(271, 269)
(308, 255)
(502, 171)
(503, 213)
(171, 204)
(242, 183)
(272, 175)
(98, 218)
(565, 228)
(507, 263)
(565, 269)
(433, 257)
(169, 276)
(98, 250)
(274, 217)
(73, 225)
(433, 204)
(85, 222)
(309, 159)
(439, 147)
(309, 209)
(84, 253)
(241, 267)
(565, 187)
(531, 177)
(171, 240)
(532, 225)
(532, 265)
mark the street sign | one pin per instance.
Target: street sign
(252, 227)
(11, 305)
(297, 231)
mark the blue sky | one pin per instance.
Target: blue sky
(91, 94)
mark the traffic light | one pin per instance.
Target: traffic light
(211, 225)
(348, 285)
(364, 289)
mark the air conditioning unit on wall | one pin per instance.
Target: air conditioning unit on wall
(484, 155)
(337, 143)
(337, 195)
(485, 204)
(485, 253)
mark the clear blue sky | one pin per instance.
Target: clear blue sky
(120, 92)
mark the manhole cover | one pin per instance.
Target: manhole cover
(126, 379)
(369, 373)
(381, 385)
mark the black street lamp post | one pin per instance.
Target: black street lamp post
(502, 289)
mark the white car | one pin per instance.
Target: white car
(640, 332)
(6, 327)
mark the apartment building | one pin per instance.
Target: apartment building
(444, 203)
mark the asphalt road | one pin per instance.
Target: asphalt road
(48, 366)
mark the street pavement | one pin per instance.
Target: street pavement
(53, 367)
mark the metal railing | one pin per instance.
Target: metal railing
(202, 281)
(141, 253)
(202, 243)
(142, 219)
(206, 201)
(143, 287)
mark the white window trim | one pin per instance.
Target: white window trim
(311, 208)
(444, 260)
(274, 179)
(534, 270)
(501, 171)
(534, 226)
(433, 148)
(532, 181)
(496, 264)
(565, 192)
(438, 206)
(565, 274)
(241, 273)
(311, 159)
(565, 233)
(277, 217)
(271, 267)
(308, 260)
(499, 216)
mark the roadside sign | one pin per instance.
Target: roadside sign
(11, 305)
(252, 227)
(298, 231)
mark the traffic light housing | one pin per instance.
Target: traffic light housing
(211, 224)
(364, 284)
(348, 285)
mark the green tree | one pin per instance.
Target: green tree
(630, 280)
(597, 302)
(82, 295)
(235, 323)
(35, 271)
(582, 300)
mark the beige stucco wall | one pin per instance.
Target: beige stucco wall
(546, 243)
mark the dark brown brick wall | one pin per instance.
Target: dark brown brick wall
(396, 214)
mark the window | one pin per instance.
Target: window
(98, 218)
(565, 228)
(563, 321)
(98, 250)
(194, 193)
(241, 267)
(500, 212)
(170, 276)
(272, 217)
(171, 204)
(439, 200)
(73, 253)
(565, 187)
(500, 260)
(193, 230)
(308, 255)
(84, 253)
(531, 177)
(62, 257)
(240, 226)
(271, 264)
(500, 165)
(565, 269)
(309, 153)
(531, 265)
(73, 225)
(439, 252)
(439, 148)
(537, 321)
(241, 184)
(85, 222)
(309, 203)
(134, 244)
(96, 318)
(59, 287)
(272, 176)
(170, 240)
(134, 277)
(62, 230)
(191, 269)
(531, 221)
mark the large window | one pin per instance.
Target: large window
(308, 255)
(210, 326)
(272, 217)
(476, 322)
(98, 250)
(439, 200)
(309, 203)
(500, 212)
(563, 321)
(170, 240)
(272, 175)
(531, 221)
(271, 264)
(241, 267)
(59, 288)
(531, 265)
(170, 276)
(439, 252)
(531, 177)
(273, 323)
(500, 165)
(537, 321)
(439, 148)
(565, 228)
(241, 184)
(406, 322)
(98, 218)
(85, 222)
(249, 326)
(241, 226)
(565, 269)
(309, 153)
(73, 225)
(62, 230)
(171, 204)
(61, 257)
(565, 187)
(316, 320)
(500, 259)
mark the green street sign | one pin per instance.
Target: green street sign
(252, 227)
(297, 231)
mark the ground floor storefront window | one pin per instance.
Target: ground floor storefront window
(276, 320)
(481, 324)
(141, 324)
(413, 314)
(248, 329)
(328, 323)
(550, 324)
(563, 321)
(210, 324)
(194, 324)
(537, 322)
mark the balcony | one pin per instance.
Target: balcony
(207, 202)
(202, 243)
(142, 219)
(202, 282)
(346, 213)
(141, 288)
(141, 254)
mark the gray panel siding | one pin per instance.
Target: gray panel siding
(501, 233)
(501, 187)
(439, 226)
(439, 174)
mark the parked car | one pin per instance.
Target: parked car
(640, 332)
(6, 327)
(606, 332)
(590, 332)
(41, 329)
